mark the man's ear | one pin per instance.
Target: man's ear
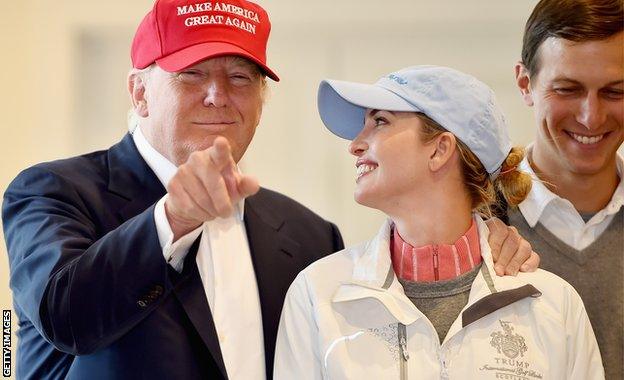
(136, 87)
(445, 146)
(523, 81)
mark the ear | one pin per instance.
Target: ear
(445, 146)
(136, 88)
(523, 81)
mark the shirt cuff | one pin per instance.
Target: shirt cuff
(174, 253)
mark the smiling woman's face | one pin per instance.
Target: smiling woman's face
(392, 161)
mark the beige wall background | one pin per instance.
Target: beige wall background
(64, 65)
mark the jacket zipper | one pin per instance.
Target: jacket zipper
(403, 352)
(436, 263)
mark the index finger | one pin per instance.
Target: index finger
(220, 153)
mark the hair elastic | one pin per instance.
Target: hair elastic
(508, 170)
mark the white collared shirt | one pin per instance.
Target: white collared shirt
(559, 216)
(226, 271)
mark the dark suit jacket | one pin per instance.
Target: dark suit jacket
(94, 296)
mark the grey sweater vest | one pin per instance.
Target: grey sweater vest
(597, 274)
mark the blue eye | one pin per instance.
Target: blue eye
(380, 121)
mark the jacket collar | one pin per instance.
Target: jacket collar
(373, 277)
(129, 175)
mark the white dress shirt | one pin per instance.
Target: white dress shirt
(226, 271)
(559, 216)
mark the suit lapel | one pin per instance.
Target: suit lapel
(276, 263)
(190, 292)
(134, 181)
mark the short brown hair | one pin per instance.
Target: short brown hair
(574, 20)
(512, 183)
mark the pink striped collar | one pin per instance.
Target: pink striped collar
(435, 262)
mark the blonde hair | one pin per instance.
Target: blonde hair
(513, 184)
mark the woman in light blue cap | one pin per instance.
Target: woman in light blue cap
(420, 300)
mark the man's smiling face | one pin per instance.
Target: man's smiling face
(578, 98)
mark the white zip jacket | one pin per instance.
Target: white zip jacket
(346, 317)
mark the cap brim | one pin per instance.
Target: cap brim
(342, 105)
(191, 55)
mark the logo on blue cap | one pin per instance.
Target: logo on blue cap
(397, 79)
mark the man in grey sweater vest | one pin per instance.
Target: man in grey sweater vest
(572, 73)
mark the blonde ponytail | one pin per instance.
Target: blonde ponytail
(513, 183)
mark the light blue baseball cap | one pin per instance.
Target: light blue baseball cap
(459, 102)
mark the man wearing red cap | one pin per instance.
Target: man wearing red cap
(114, 276)
(157, 258)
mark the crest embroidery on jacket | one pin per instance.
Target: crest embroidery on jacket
(512, 346)
(507, 342)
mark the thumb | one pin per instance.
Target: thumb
(247, 185)
(497, 235)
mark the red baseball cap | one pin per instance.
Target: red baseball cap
(177, 34)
